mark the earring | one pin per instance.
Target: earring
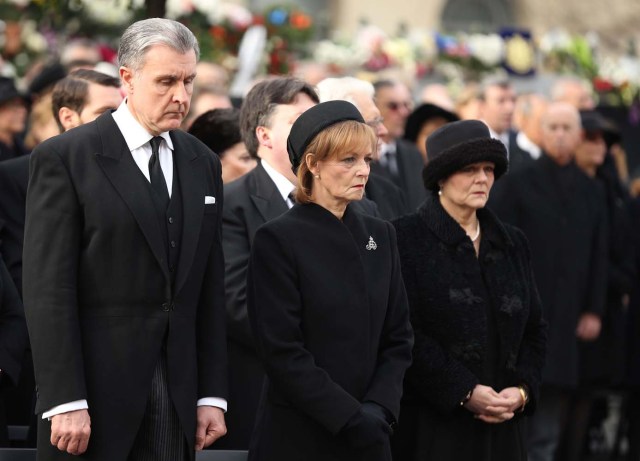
(440, 192)
(317, 176)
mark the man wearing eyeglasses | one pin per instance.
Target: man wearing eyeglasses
(399, 161)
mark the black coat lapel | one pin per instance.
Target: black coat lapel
(118, 165)
(265, 195)
(191, 169)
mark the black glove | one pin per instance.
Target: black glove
(367, 427)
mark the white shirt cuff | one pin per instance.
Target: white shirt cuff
(213, 402)
(65, 408)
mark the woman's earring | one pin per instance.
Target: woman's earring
(439, 191)
(317, 176)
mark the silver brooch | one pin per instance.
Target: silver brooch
(372, 245)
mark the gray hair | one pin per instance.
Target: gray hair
(344, 88)
(142, 35)
(560, 87)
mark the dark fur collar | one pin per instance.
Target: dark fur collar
(450, 232)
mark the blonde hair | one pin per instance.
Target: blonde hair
(330, 143)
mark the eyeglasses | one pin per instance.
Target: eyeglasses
(394, 105)
(375, 123)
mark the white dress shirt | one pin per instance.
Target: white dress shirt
(283, 185)
(526, 144)
(503, 137)
(137, 139)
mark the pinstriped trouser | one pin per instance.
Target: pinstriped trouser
(160, 437)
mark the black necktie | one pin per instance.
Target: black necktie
(158, 182)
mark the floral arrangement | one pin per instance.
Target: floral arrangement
(289, 30)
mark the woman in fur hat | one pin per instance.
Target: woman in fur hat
(479, 334)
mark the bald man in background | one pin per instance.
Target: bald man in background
(562, 213)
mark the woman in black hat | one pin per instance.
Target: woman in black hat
(13, 118)
(327, 305)
(479, 335)
(423, 121)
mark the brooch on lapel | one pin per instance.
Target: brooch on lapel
(372, 245)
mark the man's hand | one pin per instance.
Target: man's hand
(70, 431)
(588, 327)
(210, 427)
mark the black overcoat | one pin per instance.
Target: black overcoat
(14, 179)
(97, 287)
(250, 201)
(562, 213)
(446, 290)
(329, 312)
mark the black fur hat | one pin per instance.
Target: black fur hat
(458, 144)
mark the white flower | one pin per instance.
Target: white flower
(328, 52)
(112, 12)
(556, 39)
(238, 15)
(33, 40)
(176, 8)
(488, 49)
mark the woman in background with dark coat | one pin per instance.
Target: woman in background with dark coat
(327, 304)
(479, 335)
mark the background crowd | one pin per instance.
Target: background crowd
(568, 188)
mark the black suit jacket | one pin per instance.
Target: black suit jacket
(330, 316)
(14, 179)
(562, 213)
(97, 289)
(518, 157)
(387, 196)
(409, 179)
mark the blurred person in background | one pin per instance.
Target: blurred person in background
(603, 361)
(219, 129)
(83, 96)
(574, 91)
(525, 143)
(399, 160)
(13, 118)
(467, 103)
(204, 99)
(42, 124)
(438, 95)
(423, 121)
(497, 103)
(211, 75)
(562, 213)
(80, 53)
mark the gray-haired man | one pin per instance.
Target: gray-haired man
(124, 273)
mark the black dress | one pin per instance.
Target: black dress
(477, 320)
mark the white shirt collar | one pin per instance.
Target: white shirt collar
(504, 137)
(134, 134)
(283, 185)
(526, 144)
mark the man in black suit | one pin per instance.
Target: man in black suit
(267, 114)
(524, 144)
(124, 272)
(76, 99)
(562, 213)
(399, 160)
(497, 101)
(388, 197)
